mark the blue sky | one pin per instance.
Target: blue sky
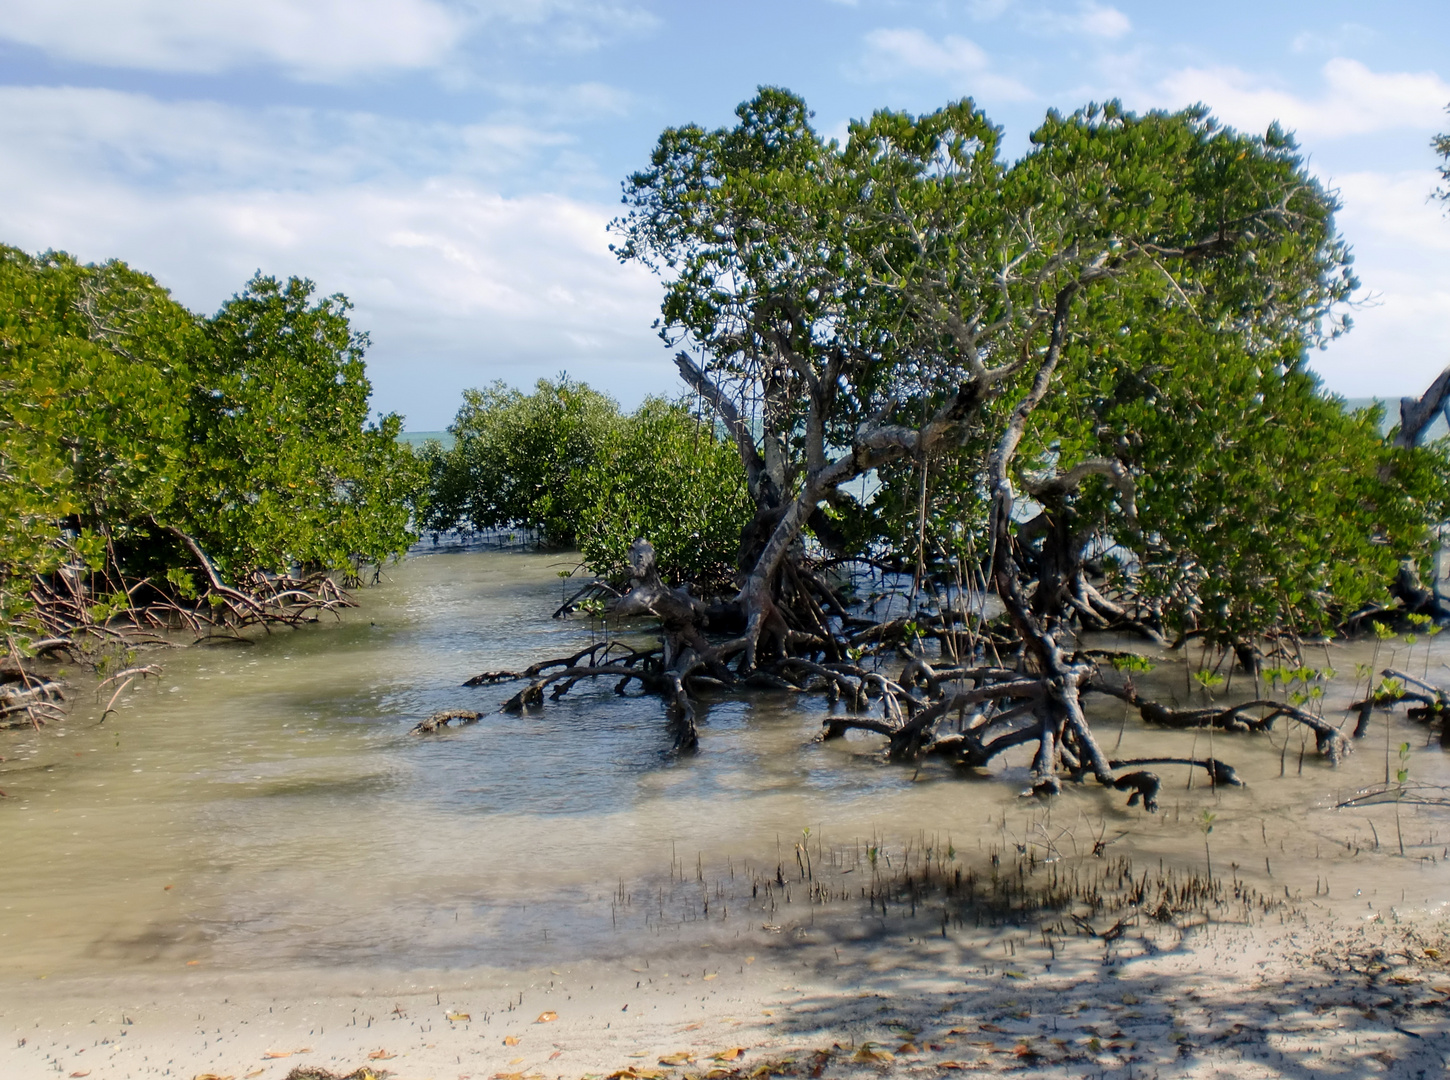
(451, 164)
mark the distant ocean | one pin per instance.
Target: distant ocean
(1392, 415)
(418, 438)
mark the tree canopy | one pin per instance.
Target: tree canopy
(1077, 381)
(1099, 346)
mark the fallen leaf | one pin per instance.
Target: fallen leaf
(750, 959)
(712, 975)
(869, 1053)
(278, 1054)
(1131, 999)
(730, 1054)
(952, 1065)
(547, 1018)
(1024, 1050)
(199, 1076)
(1014, 974)
(681, 1058)
(516, 1061)
(254, 1072)
(510, 1040)
(556, 1053)
(907, 1048)
(992, 1028)
(381, 1055)
(192, 963)
(458, 1017)
(1433, 954)
(86, 1072)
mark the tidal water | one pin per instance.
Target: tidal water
(264, 806)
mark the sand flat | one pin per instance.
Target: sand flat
(1303, 995)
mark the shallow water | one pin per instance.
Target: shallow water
(265, 806)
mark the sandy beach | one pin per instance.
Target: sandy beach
(1303, 993)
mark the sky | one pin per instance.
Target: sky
(452, 165)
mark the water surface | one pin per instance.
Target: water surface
(264, 806)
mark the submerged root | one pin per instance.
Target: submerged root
(440, 720)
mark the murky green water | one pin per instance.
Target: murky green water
(265, 806)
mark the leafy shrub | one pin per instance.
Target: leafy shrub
(125, 418)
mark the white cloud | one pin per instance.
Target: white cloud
(207, 145)
(458, 283)
(898, 53)
(310, 40)
(1343, 38)
(322, 40)
(1354, 100)
(1089, 20)
(1401, 239)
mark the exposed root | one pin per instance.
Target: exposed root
(1431, 701)
(1219, 772)
(1143, 785)
(125, 679)
(593, 654)
(1328, 739)
(595, 591)
(27, 697)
